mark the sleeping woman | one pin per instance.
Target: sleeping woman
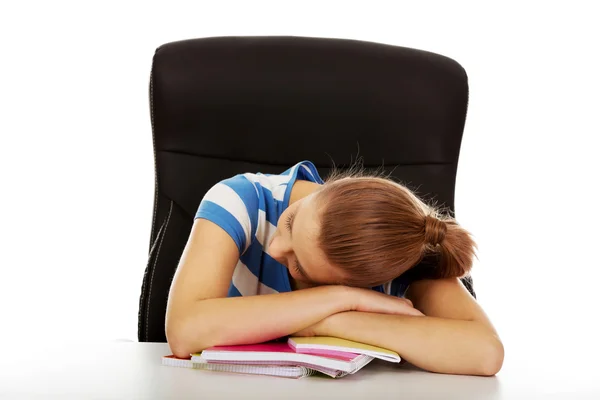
(358, 257)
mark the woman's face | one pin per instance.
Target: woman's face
(294, 244)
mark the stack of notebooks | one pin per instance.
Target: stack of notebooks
(296, 358)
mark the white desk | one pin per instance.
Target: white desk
(118, 370)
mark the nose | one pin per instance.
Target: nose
(279, 248)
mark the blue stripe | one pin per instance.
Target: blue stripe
(399, 286)
(288, 190)
(247, 192)
(233, 292)
(271, 273)
(307, 176)
(223, 218)
(279, 274)
(268, 271)
(273, 208)
(379, 289)
(251, 258)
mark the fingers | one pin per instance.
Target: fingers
(411, 310)
(416, 313)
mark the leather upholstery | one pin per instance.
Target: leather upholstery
(226, 105)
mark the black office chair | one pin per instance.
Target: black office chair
(226, 105)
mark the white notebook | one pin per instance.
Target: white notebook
(286, 371)
(272, 353)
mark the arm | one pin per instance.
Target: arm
(454, 337)
(199, 315)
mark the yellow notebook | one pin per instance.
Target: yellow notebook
(325, 345)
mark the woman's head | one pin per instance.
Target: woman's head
(365, 231)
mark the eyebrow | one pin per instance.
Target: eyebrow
(300, 268)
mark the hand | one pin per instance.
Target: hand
(313, 330)
(367, 300)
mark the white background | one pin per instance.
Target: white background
(76, 165)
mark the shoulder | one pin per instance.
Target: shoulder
(238, 186)
(300, 179)
(242, 204)
(233, 205)
(307, 171)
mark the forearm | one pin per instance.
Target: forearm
(252, 319)
(436, 344)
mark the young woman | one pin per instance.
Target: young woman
(289, 254)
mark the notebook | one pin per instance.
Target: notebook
(286, 371)
(330, 346)
(336, 365)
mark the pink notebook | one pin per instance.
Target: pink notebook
(278, 347)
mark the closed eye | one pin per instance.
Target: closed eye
(288, 222)
(297, 268)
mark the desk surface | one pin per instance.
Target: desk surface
(128, 370)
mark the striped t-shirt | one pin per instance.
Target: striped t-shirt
(248, 206)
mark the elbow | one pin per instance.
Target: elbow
(178, 340)
(179, 350)
(493, 357)
(182, 340)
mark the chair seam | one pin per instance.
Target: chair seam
(288, 164)
(164, 233)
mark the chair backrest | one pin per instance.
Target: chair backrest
(221, 106)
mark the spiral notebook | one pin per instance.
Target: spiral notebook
(334, 365)
(285, 371)
(295, 358)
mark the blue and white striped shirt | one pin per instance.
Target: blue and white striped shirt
(248, 206)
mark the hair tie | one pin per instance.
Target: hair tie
(435, 230)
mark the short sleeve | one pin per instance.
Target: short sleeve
(233, 205)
